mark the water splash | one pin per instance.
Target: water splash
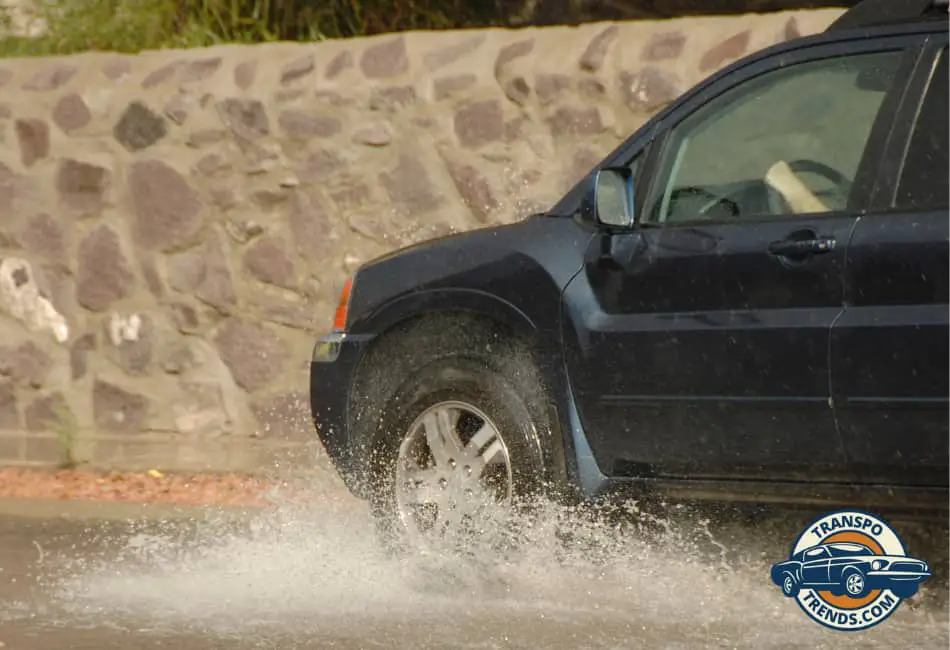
(313, 567)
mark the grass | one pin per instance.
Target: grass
(131, 26)
(67, 433)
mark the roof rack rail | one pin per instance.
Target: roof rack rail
(872, 13)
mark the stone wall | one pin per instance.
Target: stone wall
(175, 226)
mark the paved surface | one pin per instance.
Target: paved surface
(197, 579)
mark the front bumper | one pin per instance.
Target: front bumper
(332, 370)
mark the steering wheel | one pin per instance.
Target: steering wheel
(841, 183)
(712, 200)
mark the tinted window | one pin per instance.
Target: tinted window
(925, 179)
(789, 141)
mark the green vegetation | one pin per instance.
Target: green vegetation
(135, 25)
(67, 433)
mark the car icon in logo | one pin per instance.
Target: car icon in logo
(849, 570)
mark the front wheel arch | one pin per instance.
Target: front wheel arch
(396, 314)
(424, 338)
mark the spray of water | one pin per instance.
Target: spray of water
(313, 567)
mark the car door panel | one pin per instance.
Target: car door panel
(890, 347)
(697, 345)
(891, 350)
(683, 341)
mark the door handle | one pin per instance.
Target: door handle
(801, 248)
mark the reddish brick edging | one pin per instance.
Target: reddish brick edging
(138, 487)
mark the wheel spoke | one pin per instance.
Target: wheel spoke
(444, 484)
(441, 436)
(484, 447)
(448, 424)
(481, 438)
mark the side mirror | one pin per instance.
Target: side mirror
(608, 200)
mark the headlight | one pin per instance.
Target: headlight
(877, 565)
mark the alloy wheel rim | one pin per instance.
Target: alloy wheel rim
(452, 464)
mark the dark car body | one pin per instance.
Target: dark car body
(823, 567)
(715, 360)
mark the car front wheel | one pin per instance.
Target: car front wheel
(459, 451)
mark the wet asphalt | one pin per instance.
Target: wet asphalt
(313, 578)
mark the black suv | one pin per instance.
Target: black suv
(747, 301)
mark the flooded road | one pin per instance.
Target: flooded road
(314, 577)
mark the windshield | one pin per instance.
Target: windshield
(841, 550)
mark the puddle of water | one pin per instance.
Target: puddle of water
(310, 568)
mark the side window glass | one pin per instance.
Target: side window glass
(635, 166)
(789, 141)
(925, 178)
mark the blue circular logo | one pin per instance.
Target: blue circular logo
(849, 571)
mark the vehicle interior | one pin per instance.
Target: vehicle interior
(789, 143)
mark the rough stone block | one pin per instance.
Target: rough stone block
(49, 413)
(51, 77)
(593, 57)
(139, 127)
(104, 275)
(71, 113)
(116, 409)
(386, 59)
(33, 136)
(268, 261)
(731, 48)
(82, 186)
(479, 123)
(254, 354)
(169, 212)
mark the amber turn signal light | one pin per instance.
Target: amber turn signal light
(342, 307)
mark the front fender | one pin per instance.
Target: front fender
(513, 275)
(474, 301)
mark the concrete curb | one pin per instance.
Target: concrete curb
(117, 510)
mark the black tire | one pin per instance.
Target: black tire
(495, 385)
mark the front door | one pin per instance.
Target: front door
(700, 341)
(890, 347)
